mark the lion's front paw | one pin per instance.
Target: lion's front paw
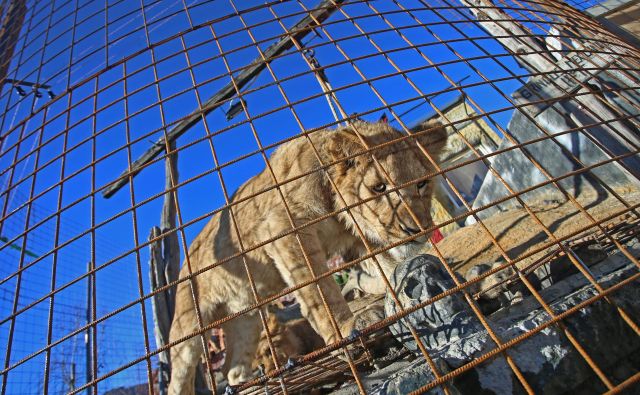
(348, 326)
(238, 375)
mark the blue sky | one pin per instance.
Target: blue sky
(74, 75)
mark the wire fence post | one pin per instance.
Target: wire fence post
(87, 335)
(72, 379)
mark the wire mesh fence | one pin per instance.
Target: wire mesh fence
(292, 155)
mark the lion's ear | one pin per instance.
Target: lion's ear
(433, 136)
(341, 145)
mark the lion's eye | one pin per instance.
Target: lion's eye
(421, 184)
(380, 187)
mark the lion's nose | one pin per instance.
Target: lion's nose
(408, 230)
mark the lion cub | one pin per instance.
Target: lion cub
(259, 214)
(290, 339)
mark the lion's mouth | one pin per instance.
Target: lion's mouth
(412, 240)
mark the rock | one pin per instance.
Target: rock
(548, 360)
(442, 321)
(499, 292)
(409, 379)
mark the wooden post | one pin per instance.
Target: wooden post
(164, 266)
(160, 305)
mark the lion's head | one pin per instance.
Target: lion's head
(385, 218)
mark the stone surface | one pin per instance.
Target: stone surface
(548, 360)
(442, 321)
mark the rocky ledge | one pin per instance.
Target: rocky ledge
(547, 359)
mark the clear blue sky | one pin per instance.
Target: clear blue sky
(120, 338)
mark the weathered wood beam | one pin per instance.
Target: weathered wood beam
(164, 267)
(510, 34)
(159, 302)
(171, 245)
(297, 32)
(587, 106)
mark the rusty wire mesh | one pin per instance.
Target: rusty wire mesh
(90, 87)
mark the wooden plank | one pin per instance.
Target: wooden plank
(515, 39)
(574, 68)
(164, 267)
(171, 245)
(297, 32)
(159, 303)
(587, 107)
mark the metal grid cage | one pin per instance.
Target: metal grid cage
(119, 115)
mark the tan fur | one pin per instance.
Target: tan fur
(225, 289)
(297, 337)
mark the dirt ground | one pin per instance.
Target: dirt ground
(517, 232)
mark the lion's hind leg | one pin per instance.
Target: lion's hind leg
(185, 355)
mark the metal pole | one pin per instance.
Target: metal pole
(87, 335)
(72, 378)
